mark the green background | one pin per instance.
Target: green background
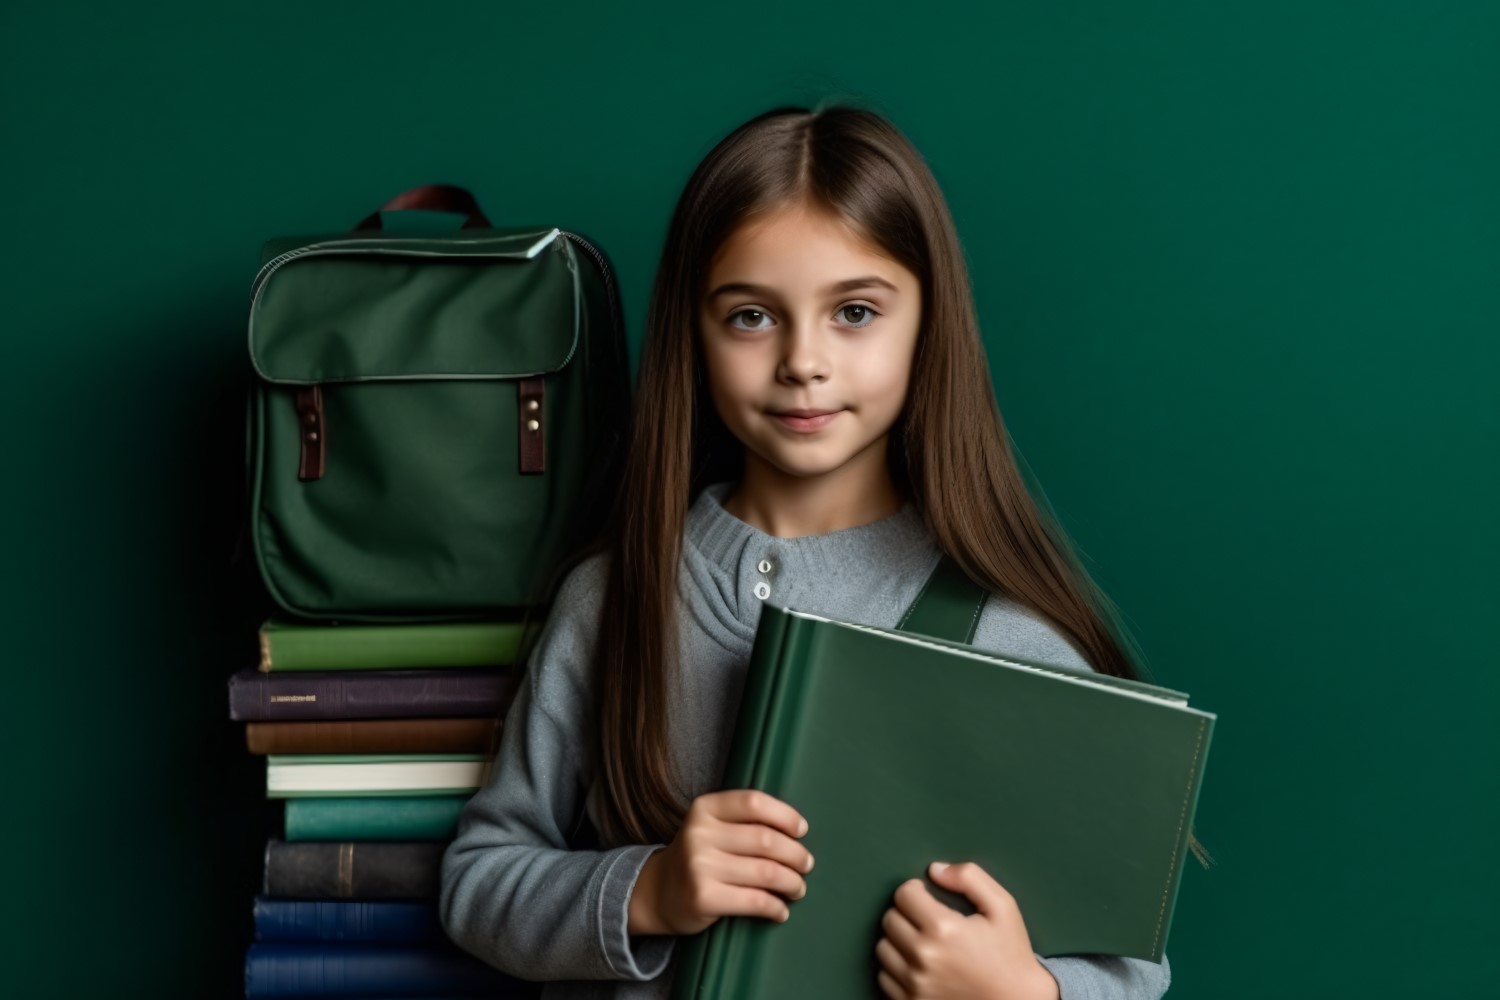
(1237, 269)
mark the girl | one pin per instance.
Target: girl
(815, 425)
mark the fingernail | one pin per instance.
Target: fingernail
(801, 828)
(939, 865)
(808, 866)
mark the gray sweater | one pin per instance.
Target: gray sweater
(515, 895)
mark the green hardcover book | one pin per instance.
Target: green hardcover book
(291, 776)
(414, 817)
(1075, 790)
(288, 645)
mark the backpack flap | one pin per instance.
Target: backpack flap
(356, 309)
(427, 410)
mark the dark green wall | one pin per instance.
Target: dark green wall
(1237, 267)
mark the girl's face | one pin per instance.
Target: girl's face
(799, 315)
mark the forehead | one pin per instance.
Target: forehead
(800, 250)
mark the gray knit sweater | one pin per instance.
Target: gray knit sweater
(515, 895)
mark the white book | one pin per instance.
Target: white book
(332, 775)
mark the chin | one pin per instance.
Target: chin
(806, 461)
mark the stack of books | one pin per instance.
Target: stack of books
(375, 736)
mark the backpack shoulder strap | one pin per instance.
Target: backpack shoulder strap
(947, 606)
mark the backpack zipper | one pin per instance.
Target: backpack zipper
(345, 246)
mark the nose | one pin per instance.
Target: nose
(804, 356)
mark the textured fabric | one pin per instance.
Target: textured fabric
(517, 897)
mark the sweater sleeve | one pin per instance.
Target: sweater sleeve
(512, 892)
(1005, 626)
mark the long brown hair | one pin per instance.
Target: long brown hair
(949, 451)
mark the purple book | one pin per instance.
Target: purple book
(369, 694)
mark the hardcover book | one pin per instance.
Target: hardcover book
(392, 774)
(405, 817)
(369, 971)
(357, 869)
(369, 694)
(479, 734)
(292, 645)
(1074, 790)
(347, 921)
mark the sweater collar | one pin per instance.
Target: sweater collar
(721, 536)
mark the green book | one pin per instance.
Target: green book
(289, 645)
(414, 817)
(306, 775)
(1074, 790)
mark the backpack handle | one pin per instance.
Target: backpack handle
(431, 198)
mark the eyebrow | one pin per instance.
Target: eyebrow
(837, 288)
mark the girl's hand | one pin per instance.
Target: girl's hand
(735, 854)
(930, 951)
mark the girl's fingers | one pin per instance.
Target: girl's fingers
(922, 908)
(745, 901)
(758, 873)
(759, 840)
(901, 933)
(890, 987)
(895, 972)
(983, 890)
(749, 805)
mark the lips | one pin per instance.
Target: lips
(806, 420)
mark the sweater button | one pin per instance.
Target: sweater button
(764, 566)
(762, 590)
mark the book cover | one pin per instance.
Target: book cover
(292, 645)
(336, 775)
(479, 734)
(406, 817)
(353, 921)
(1075, 790)
(368, 694)
(353, 869)
(288, 969)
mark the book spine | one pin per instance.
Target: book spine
(777, 745)
(781, 734)
(346, 921)
(393, 694)
(1189, 809)
(353, 869)
(359, 759)
(377, 647)
(374, 818)
(289, 969)
(366, 736)
(702, 952)
(374, 775)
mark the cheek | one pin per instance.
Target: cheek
(740, 368)
(882, 382)
(731, 381)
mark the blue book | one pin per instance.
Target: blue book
(353, 921)
(286, 970)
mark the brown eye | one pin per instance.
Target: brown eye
(745, 312)
(866, 314)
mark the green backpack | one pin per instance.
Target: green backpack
(434, 417)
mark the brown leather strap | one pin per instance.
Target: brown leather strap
(314, 440)
(531, 420)
(431, 198)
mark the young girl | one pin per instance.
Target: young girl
(814, 426)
